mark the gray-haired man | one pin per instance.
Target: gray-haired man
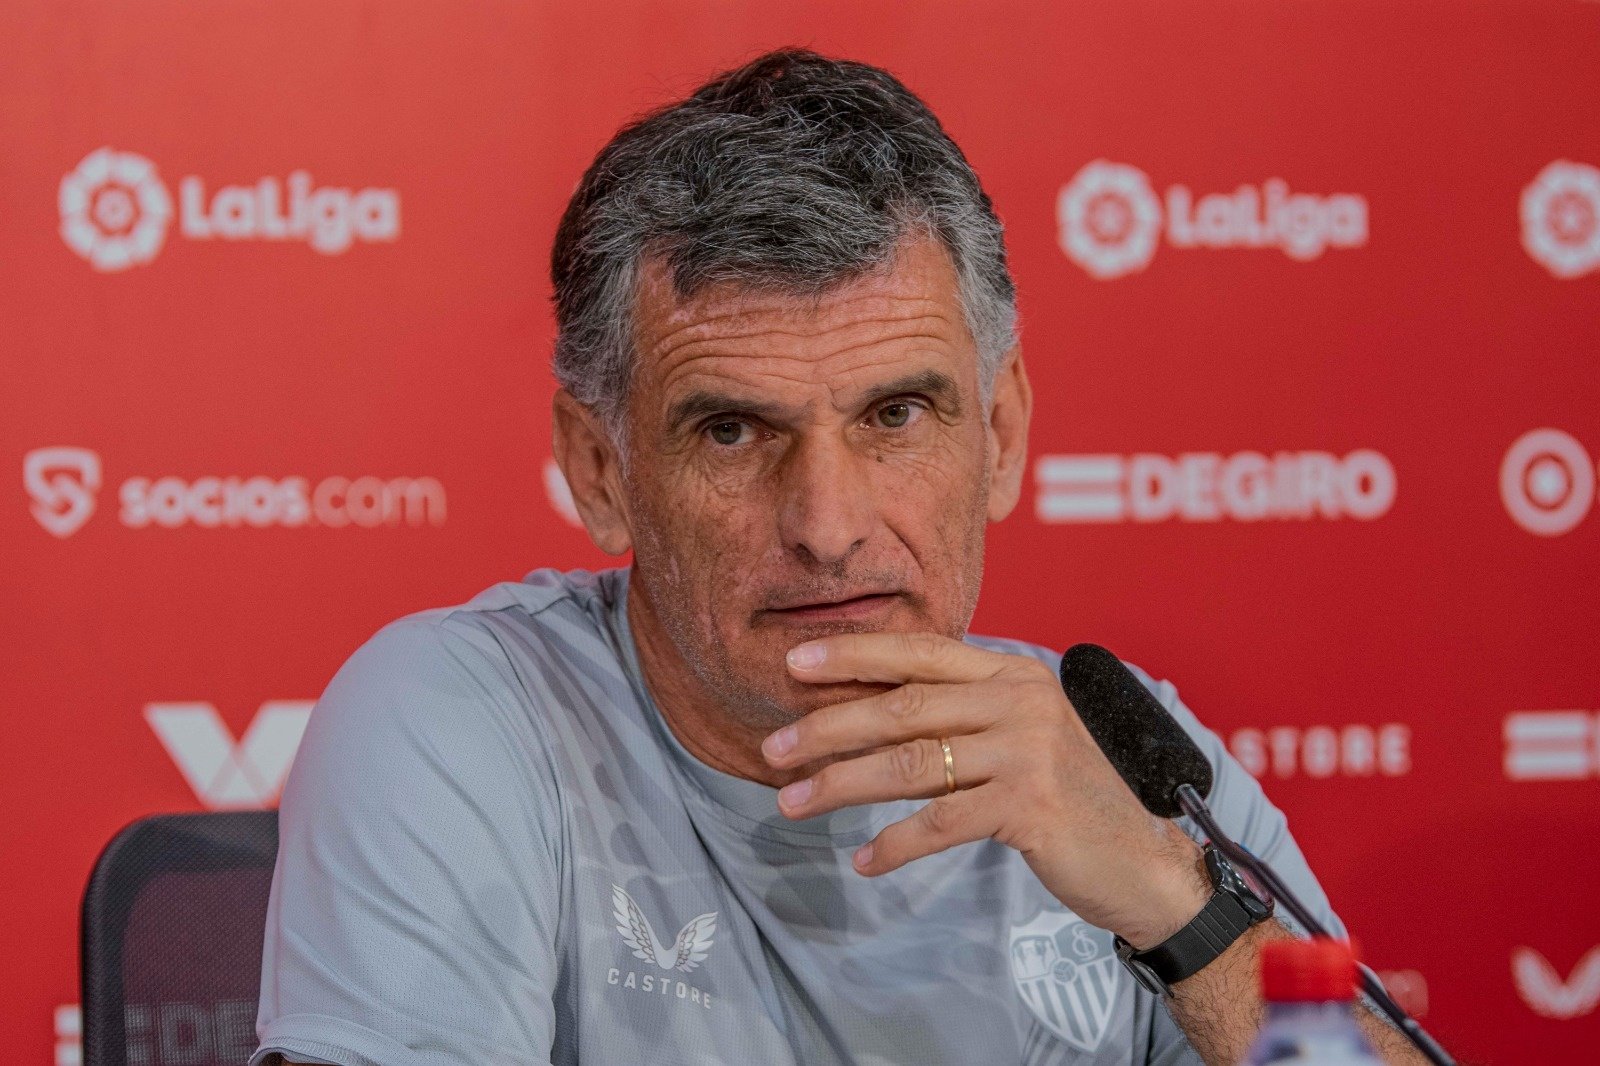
(547, 825)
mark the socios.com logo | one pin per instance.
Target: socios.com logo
(116, 211)
(1547, 481)
(63, 484)
(1561, 218)
(1111, 219)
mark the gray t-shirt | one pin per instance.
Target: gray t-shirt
(493, 851)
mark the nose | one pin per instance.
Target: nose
(826, 506)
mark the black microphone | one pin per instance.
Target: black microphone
(1150, 750)
(1167, 771)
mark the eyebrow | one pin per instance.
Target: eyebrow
(935, 384)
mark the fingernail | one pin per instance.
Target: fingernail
(782, 742)
(807, 656)
(795, 794)
(863, 856)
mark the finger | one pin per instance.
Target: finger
(959, 818)
(902, 713)
(911, 770)
(894, 658)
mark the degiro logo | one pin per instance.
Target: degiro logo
(1211, 487)
(116, 211)
(1111, 219)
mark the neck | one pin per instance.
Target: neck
(706, 727)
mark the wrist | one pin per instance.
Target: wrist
(1177, 895)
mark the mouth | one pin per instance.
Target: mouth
(864, 605)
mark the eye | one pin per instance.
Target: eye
(897, 414)
(728, 432)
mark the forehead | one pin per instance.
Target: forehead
(909, 311)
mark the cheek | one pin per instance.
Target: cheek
(711, 530)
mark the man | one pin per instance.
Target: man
(758, 798)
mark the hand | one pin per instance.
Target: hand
(1028, 774)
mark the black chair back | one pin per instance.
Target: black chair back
(171, 940)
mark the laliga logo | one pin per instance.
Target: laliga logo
(115, 211)
(1110, 219)
(1561, 218)
(1547, 481)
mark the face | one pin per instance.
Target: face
(800, 466)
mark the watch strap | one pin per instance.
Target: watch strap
(1211, 932)
(1225, 917)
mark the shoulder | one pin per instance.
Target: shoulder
(463, 680)
(493, 642)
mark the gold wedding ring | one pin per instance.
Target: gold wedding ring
(949, 766)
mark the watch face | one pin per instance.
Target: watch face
(1240, 884)
(1255, 888)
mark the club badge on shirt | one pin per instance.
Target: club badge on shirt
(1067, 972)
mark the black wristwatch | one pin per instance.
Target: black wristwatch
(1235, 905)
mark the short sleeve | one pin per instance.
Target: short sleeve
(1244, 812)
(414, 907)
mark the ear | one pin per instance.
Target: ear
(593, 470)
(1010, 412)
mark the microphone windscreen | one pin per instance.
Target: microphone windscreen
(1142, 741)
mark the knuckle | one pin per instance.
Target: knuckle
(906, 702)
(911, 761)
(941, 816)
(925, 648)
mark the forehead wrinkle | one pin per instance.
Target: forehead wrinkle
(837, 372)
(737, 329)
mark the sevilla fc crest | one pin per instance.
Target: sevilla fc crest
(1068, 974)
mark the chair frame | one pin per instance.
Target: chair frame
(139, 852)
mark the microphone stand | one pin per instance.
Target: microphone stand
(1195, 807)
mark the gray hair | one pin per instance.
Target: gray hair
(793, 173)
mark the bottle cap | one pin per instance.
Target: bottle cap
(1307, 971)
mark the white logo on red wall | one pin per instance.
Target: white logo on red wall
(62, 483)
(1561, 218)
(1543, 989)
(1110, 219)
(227, 774)
(69, 1035)
(1408, 988)
(1552, 745)
(116, 211)
(1324, 750)
(559, 493)
(1547, 482)
(1211, 487)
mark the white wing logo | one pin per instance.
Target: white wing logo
(685, 953)
(1544, 990)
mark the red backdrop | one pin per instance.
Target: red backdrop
(1299, 283)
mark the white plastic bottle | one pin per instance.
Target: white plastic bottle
(1309, 986)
